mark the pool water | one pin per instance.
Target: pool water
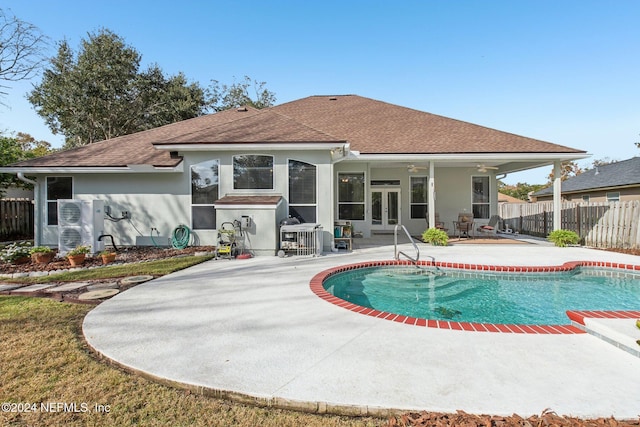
(499, 298)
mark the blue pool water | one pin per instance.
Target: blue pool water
(463, 296)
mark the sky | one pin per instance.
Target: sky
(560, 71)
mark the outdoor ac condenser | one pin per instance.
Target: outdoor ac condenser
(80, 222)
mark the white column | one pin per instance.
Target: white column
(431, 196)
(557, 195)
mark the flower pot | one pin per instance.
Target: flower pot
(42, 257)
(107, 258)
(76, 260)
(21, 260)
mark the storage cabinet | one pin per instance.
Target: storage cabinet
(343, 235)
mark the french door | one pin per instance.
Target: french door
(385, 209)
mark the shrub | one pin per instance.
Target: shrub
(79, 250)
(562, 238)
(40, 250)
(15, 251)
(436, 237)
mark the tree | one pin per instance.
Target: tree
(21, 50)
(224, 97)
(520, 191)
(100, 93)
(567, 170)
(16, 148)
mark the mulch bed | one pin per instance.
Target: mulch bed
(548, 418)
(128, 254)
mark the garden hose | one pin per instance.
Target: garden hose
(180, 237)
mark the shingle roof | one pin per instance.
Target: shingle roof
(619, 174)
(373, 126)
(370, 126)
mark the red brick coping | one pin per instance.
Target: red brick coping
(317, 286)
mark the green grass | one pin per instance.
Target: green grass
(153, 268)
(44, 359)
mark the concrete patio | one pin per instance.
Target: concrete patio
(253, 330)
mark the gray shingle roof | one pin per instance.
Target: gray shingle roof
(619, 174)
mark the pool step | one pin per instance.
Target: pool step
(618, 328)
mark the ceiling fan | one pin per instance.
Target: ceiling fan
(484, 168)
(414, 168)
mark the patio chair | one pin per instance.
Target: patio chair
(491, 228)
(439, 224)
(464, 225)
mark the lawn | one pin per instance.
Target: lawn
(45, 361)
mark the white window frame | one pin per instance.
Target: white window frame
(487, 203)
(613, 196)
(273, 175)
(315, 204)
(202, 204)
(46, 191)
(426, 189)
(364, 195)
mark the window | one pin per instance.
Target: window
(204, 193)
(351, 196)
(480, 196)
(613, 196)
(419, 197)
(302, 191)
(586, 198)
(252, 172)
(58, 187)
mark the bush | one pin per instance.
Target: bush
(79, 250)
(436, 237)
(15, 251)
(40, 250)
(562, 238)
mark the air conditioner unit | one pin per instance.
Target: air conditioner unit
(80, 222)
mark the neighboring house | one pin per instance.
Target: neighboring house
(505, 198)
(619, 181)
(322, 159)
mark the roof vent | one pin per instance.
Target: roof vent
(241, 109)
(333, 98)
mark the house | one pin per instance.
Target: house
(322, 159)
(619, 181)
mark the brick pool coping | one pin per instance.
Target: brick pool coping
(317, 286)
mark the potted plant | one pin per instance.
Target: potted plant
(41, 254)
(16, 253)
(107, 256)
(436, 237)
(76, 256)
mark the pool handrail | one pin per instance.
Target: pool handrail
(395, 245)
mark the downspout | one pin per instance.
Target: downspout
(37, 231)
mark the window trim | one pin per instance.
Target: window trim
(202, 204)
(488, 202)
(315, 204)
(273, 173)
(47, 200)
(364, 195)
(411, 202)
(609, 199)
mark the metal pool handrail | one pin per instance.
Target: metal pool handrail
(395, 245)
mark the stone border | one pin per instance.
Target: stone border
(317, 287)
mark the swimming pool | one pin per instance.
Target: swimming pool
(482, 294)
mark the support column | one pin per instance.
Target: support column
(431, 196)
(557, 195)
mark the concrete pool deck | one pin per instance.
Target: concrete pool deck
(253, 330)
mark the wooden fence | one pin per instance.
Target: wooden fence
(602, 225)
(16, 219)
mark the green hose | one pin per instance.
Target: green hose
(181, 236)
